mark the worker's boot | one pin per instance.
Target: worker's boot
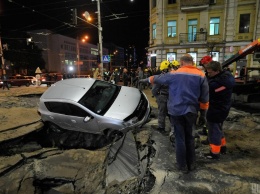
(161, 130)
(172, 138)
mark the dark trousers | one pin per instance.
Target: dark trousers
(161, 101)
(215, 133)
(5, 84)
(184, 139)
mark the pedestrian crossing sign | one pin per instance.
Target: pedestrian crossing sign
(106, 58)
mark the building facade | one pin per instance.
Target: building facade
(66, 55)
(219, 28)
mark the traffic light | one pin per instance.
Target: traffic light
(74, 16)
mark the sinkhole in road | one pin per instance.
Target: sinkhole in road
(62, 139)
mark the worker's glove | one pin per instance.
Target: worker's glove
(143, 80)
(202, 119)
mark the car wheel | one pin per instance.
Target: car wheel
(28, 84)
(9, 85)
(113, 135)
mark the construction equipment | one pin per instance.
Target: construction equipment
(246, 90)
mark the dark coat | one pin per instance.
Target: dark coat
(220, 92)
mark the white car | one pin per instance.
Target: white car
(93, 106)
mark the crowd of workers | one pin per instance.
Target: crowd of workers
(190, 96)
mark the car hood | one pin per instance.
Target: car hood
(125, 103)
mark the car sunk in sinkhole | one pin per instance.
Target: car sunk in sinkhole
(93, 106)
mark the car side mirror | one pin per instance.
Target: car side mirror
(87, 118)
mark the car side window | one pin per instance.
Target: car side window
(66, 109)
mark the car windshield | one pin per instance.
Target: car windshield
(100, 97)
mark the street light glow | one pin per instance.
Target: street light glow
(87, 16)
(84, 39)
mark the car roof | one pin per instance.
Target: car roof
(69, 89)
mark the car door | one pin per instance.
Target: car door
(78, 119)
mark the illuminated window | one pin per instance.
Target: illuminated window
(214, 26)
(194, 56)
(171, 57)
(154, 31)
(171, 28)
(215, 56)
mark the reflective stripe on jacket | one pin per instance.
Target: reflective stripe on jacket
(220, 92)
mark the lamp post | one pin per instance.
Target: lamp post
(100, 47)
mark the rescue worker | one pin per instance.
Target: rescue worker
(221, 84)
(188, 91)
(161, 92)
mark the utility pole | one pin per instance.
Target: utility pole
(100, 47)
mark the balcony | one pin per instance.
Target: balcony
(193, 38)
(195, 5)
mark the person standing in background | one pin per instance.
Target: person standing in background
(125, 77)
(5, 82)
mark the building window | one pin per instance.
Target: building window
(192, 30)
(214, 26)
(153, 3)
(171, 1)
(154, 31)
(244, 23)
(171, 57)
(215, 56)
(194, 56)
(171, 28)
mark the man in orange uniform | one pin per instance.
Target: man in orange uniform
(188, 93)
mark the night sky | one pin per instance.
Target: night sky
(131, 27)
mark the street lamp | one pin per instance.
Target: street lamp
(84, 39)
